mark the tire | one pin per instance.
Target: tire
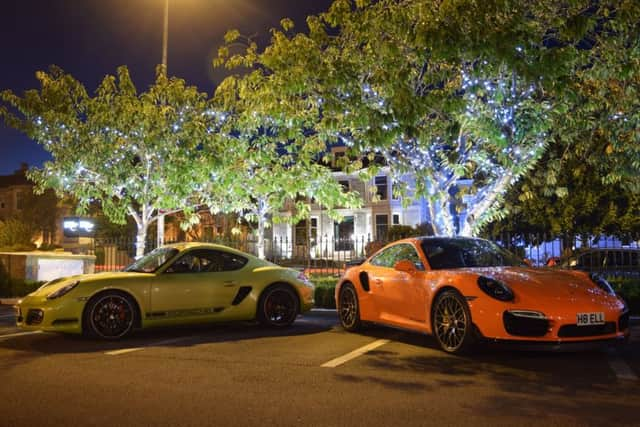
(110, 315)
(349, 308)
(278, 306)
(451, 323)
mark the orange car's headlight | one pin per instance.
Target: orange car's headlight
(495, 288)
(602, 283)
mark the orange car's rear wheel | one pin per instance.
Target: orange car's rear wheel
(451, 323)
(349, 308)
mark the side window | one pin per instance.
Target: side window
(187, 263)
(385, 258)
(207, 261)
(231, 261)
(408, 252)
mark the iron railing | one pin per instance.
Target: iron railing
(328, 255)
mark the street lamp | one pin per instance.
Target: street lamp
(165, 39)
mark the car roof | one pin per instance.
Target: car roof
(201, 245)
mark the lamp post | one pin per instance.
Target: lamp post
(165, 39)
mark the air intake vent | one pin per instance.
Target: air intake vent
(364, 280)
(241, 295)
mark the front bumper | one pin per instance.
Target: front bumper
(558, 346)
(59, 315)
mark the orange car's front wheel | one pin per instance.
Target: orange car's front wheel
(451, 322)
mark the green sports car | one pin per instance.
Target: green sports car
(176, 284)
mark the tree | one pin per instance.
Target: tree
(454, 90)
(133, 152)
(579, 203)
(40, 211)
(273, 162)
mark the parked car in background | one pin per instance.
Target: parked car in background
(605, 261)
(175, 284)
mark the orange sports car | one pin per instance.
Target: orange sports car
(464, 290)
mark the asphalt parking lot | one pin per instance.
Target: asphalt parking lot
(311, 374)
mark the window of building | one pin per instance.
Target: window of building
(396, 219)
(345, 185)
(208, 233)
(343, 234)
(313, 231)
(382, 188)
(19, 200)
(382, 226)
(301, 232)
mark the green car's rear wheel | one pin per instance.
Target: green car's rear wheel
(109, 315)
(278, 306)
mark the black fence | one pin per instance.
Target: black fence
(612, 256)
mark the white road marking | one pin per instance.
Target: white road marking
(155, 344)
(355, 353)
(620, 367)
(19, 334)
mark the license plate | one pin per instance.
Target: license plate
(585, 319)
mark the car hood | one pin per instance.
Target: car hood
(542, 283)
(53, 285)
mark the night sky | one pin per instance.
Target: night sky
(91, 38)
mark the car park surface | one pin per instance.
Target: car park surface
(244, 374)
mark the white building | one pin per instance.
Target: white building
(319, 236)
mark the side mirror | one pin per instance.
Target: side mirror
(528, 262)
(406, 266)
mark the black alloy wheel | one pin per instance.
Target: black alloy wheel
(451, 323)
(349, 308)
(110, 316)
(278, 306)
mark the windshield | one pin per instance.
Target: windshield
(462, 253)
(152, 261)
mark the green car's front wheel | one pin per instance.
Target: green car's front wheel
(278, 306)
(109, 315)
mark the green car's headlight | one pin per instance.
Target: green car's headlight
(63, 290)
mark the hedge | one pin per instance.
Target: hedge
(325, 287)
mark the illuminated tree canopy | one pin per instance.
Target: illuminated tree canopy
(453, 91)
(273, 162)
(133, 152)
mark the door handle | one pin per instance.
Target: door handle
(230, 283)
(378, 282)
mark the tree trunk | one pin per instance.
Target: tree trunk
(262, 219)
(260, 242)
(141, 239)
(441, 219)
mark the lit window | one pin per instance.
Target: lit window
(381, 187)
(382, 226)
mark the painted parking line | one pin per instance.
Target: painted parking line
(620, 367)
(155, 344)
(19, 334)
(355, 353)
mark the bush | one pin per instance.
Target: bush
(15, 233)
(629, 290)
(325, 287)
